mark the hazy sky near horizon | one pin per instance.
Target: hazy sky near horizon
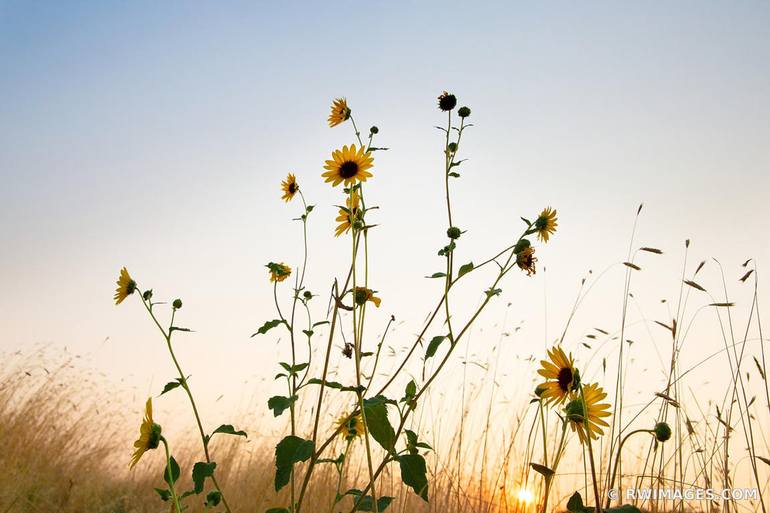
(155, 135)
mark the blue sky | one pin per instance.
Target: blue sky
(155, 135)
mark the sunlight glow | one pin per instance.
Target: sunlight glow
(525, 496)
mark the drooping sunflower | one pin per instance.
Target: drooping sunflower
(149, 435)
(560, 375)
(526, 259)
(289, 187)
(351, 428)
(546, 223)
(362, 295)
(349, 165)
(126, 286)
(585, 414)
(348, 215)
(340, 112)
(278, 272)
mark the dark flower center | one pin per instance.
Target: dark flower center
(565, 379)
(292, 188)
(348, 169)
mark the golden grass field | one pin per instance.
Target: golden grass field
(447, 428)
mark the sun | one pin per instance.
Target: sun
(524, 496)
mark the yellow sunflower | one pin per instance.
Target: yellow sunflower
(560, 376)
(585, 414)
(348, 165)
(278, 272)
(340, 112)
(348, 216)
(351, 428)
(289, 187)
(546, 224)
(362, 295)
(149, 435)
(126, 286)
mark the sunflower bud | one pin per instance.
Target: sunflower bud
(454, 232)
(147, 295)
(464, 112)
(177, 304)
(154, 439)
(447, 102)
(575, 410)
(539, 390)
(662, 432)
(374, 130)
(452, 147)
(307, 295)
(521, 246)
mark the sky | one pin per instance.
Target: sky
(155, 136)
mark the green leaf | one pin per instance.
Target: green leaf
(465, 269)
(200, 472)
(228, 429)
(366, 503)
(177, 328)
(433, 345)
(330, 384)
(174, 467)
(437, 275)
(320, 323)
(492, 292)
(542, 469)
(290, 450)
(213, 498)
(376, 413)
(267, 327)
(309, 333)
(279, 404)
(165, 495)
(454, 175)
(575, 504)
(410, 390)
(171, 385)
(414, 474)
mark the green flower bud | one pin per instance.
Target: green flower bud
(147, 295)
(662, 432)
(374, 130)
(521, 246)
(464, 112)
(452, 147)
(177, 304)
(453, 232)
(307, 295)
(575, 410)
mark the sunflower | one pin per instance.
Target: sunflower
(560, 375)
(340, 112)
(545, 224)
(289, 187)
(362, 295)
(348, 215)
(446, 101)
(588, 407)
(126, 286)
(149, 435)
(349, 164)
(278, 272)
(526, 259)
(351, 428)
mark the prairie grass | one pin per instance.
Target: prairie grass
(485, 422)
